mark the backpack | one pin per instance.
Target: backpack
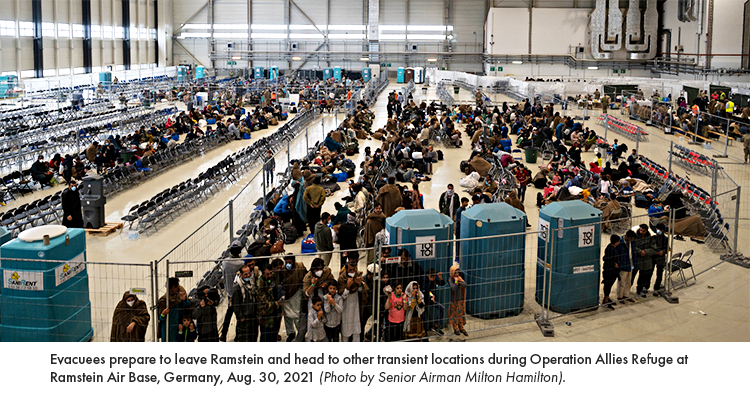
(290, 233)
(440, 155)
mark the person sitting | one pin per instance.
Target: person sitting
(40, 172)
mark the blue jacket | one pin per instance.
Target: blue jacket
(331, 144)
(282, 207)
(656, 211)
(628, 259)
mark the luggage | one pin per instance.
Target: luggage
(273, 121)
(642, 201)
(290, 233)
(440, 155)
(350, 152)
(245, 136)
(308, 245)
(340, 176)
(211, 121)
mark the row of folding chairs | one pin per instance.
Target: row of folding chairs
(156, 210)
(698, 201)
(692, 160)
(621, 127)
(37, 213)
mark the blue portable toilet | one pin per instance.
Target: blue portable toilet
(327, 73)
(45, 288)
(573, 258)
(181, 73)
(273, 73)
(400, 75)
(259, 72)
(337, 73)
(105, 78)
(420, 227)
(5, 236)
(200, 71)
(493, 265)
(367, 74)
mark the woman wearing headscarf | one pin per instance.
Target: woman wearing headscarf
(414, 309)
(130, 320)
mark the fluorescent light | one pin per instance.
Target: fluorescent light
(296, 58)
(268, 26)
(278, 36)
(425, 28)
(392, 27)
(364, 59)
(301, 36)
(425, 37)
(396, 37)
(236, 58)
(517, 62)
(593, 68)
(347, 27)
(347, 36)
(432, 60)
(197, 27)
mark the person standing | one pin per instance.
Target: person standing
(270, 298)
(243, 302)
(644, 242)
(324, 238)
(350, 285)
(269, 167)
(71, 206)
(389, 197)
(449, 202)
(627, 267)
(464, 206)
(171, 307)
(660, 245)
(130, 320)
(611, 268)
(314, 197)
(291, 277)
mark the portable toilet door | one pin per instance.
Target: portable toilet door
(366, 74)
(200, 71)
(408, 74)
(259, 72)
(400, 75)
(273, 73)
(181, 73)
(337, 73)
(418, 75)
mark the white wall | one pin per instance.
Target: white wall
(508, 31)
(554, 30)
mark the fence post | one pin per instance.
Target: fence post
(288, 153)
(667, 291)
(735, 251)
(154, 306)
(606, 126)
(714, 176)
(165, 336)
(307, 141)
(231, 220)
(671, 149)
(378, 290)
(638, 139)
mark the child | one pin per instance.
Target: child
(186, 330)
(334, 305)
(599, 159)
(396, 314)
(611, 268)
(316, 321)
(414, 309)
(205, 316)
(457, 309)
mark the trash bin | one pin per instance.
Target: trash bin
(456, 89)
(531, 154)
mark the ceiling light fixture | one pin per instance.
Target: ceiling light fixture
(432, 60)
(364, 59)
(517, 62)
(593, 68)
(295, 58)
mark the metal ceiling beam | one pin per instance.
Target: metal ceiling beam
(189, 19)
(325, 36)
(189, 53)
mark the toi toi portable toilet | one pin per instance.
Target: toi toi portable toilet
(327, 73)
(200, 71)
(408, 74)
(259, 72)
(573, 256)
(181, 73)
(273, 73)
(45, 296)
(418, 75)
(420, 228)
(400, 72)
(494, 266)
(367, 74)
(337, 73)
(105, 77)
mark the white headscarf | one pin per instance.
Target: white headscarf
(409, 298)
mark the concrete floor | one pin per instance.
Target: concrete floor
(722, 292)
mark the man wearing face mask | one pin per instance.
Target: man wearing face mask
(71, 206)
(449, 202)
(291, 274)
(244, 305)
(270, 298)
(351, 286)
(130, 320)
(315, 280)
